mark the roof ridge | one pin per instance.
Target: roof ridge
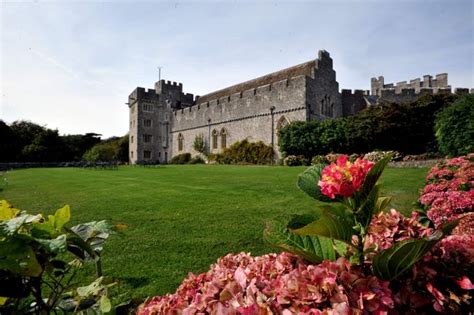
(293, 71)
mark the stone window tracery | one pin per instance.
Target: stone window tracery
(214, 138)
(223, 138)
(180, 142)
(282, 122)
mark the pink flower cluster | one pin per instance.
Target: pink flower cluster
(388, 228)
(343, 178)
(275, 284)
(449, 192)
(441, 281)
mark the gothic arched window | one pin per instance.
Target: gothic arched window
(223, 138)
(282, 122)
(214, 138)
(180, 142)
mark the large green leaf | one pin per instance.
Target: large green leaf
(93, 233)
(393, 262)
(308, 182)
(332, 223)
(312, 248)
(372, 177)
(56, 245)
(368, 207)
(10, 227)
(19, 258)
(61, 217)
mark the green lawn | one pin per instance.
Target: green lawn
(180, 218)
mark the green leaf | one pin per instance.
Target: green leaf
(372, 177)
(312, 248)
(382, 203)
(19, 258)
(79, 247)
(332, 223)
(11, 226)
(105, 305)
(368, 208)
(57, 245)
(393, 262)
(62, 216)
(92, 289)
(308, 182)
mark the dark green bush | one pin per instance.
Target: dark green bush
(454, 127)
(197, 160)
(407, 128)
(184, 158)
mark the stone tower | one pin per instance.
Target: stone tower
(150, 120)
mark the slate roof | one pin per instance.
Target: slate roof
(301, 69)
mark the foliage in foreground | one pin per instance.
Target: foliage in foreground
(35, 276)
(455, 127)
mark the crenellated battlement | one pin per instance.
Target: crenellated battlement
(141, 93)
(439, 82)
(164, 86)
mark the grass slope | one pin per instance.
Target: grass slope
(180, 218)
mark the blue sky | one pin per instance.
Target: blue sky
(71, 65)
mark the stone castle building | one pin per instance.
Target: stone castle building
(165, 121)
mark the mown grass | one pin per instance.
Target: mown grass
(180, 218)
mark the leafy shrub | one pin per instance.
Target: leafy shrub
(293, 160)
(183, 158)
(319, 159)
(244, 152)
(376, 156)
(455, 127)
(34, 275)
(407, 128)
(197, 160)
(113, 149)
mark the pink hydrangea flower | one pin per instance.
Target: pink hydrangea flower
(343, 178)
(275, 284)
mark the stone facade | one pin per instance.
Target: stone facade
(165, 121)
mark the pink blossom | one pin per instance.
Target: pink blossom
(275, 284)
(343, 177)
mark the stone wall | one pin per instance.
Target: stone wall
(244, 115)
(322, 90)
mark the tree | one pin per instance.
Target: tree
(9, 147)
(199, 145)
(454, 127)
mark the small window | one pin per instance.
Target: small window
(131, 154)
(180, 142)
(147, 155)
(147, 107)
(223, 138)
(214, 139)
(131, 139)
(147, 138)
(147, 123)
